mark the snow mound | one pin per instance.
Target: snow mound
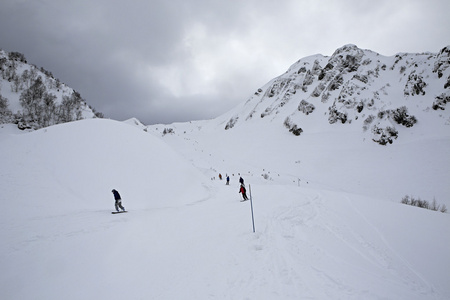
(78, 164)
(135, 122)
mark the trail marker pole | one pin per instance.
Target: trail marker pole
(251, 206)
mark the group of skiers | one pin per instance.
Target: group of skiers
(242, 190)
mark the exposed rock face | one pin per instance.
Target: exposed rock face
(355, 87)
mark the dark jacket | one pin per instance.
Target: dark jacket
(116, 195)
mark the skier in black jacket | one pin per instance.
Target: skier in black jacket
(118, 200)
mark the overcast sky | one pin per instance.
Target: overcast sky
(165, 61)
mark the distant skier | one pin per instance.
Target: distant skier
(241, 180)
(243, 191)
(220, 176)
(228, 180)
(118, 200)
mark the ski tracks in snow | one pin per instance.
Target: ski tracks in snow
(314, 249)
(365, 263)
(392, 260)
(276, 249)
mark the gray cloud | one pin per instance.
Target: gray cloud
(168, 61)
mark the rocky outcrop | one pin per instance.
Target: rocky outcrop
(356, 87)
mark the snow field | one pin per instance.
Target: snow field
(189, 237)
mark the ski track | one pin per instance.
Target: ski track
(368, 248)
(309, 243)
(304, 247)
(285, 249)
(395, 262)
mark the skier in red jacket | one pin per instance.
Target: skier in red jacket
(243, 191)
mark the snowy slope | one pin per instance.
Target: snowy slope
(187, 236)
(332, 201)
(56, 198)
(89, 158)
(337, 159)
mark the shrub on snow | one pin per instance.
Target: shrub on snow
(400, 115)
(423, 203)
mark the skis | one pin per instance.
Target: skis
(118, 212)
(244, 200)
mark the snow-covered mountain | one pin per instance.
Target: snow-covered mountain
(328, 218)
(384, 97)
(32, 97)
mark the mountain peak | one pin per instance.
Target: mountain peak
(381, 96)
(346, 48)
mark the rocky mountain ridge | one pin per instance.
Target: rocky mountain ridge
(381, 96)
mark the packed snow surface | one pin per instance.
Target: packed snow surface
(328, 218)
